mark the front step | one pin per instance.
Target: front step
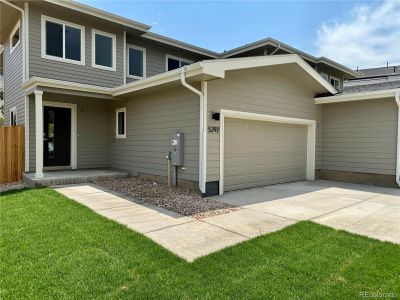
(73, 176)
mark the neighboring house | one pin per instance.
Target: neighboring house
(97, 90)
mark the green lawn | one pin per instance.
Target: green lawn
(52, 247)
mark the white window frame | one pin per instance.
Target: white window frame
(334, 78)
(13, 110)
(16, 27)
(114, 48)
(118, 110)
(176, 58)
(63, 23)
(130, 46)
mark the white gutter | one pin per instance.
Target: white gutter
(357, 96)
(397, 98)
(203, 133)
(24, 36)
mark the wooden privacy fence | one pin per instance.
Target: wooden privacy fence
(12, 153)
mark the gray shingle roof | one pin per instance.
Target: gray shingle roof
(382, 71)
(374, 79)
(371, 87)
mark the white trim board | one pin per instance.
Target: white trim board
(311, 135)
(74, 130)
(26, 133)
(17, 26)
(357, 96)
(114, 49)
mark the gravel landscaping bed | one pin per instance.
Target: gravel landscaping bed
(12, 186)
(180, 200)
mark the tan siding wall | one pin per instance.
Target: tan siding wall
(156, 55)
(360, 136)
(86, 74)
(151, 120)
(93, 126)
(273, 91)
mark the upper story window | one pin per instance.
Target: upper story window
(13, 116)
(174, 62)
(136, 62)
(335, 82)
(63, 41)
(103, 50)
(15, 36)
(120, 126)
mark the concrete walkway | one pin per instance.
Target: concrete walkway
(366, 210)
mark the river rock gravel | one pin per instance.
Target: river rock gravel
(177, 199)
(11, 186)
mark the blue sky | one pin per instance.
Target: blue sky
(315, 27)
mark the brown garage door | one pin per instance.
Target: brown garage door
(261, 153)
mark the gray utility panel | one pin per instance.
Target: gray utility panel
(176, 154)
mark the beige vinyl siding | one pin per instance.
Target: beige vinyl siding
(360, 136)
(47, 68)
(260, 153)
(151, 121)
(275, 91)
(156, 55)
(93, 128)
(13, 79)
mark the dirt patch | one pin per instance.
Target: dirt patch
(180, 200)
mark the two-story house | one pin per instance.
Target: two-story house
(96, 90)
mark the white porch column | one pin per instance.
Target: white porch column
(39, 133)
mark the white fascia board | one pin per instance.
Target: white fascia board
(100, 14)
(285, 47)
(357, 96)
(35, 82)
(163, 78)
(172, 42)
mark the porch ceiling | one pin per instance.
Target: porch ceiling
(8, 19)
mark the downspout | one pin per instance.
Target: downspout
(397, 98)
(202, 132)
(24, 35)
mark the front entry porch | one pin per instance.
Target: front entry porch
(73, 176)
(67, 132)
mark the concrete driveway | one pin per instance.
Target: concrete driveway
(366, 210)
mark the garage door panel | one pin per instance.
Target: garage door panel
(261, 153)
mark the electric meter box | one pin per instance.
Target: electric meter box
(176, 154)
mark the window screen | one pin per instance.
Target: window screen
(72, 43)
(54, 39)
(173, 64)
(103, 50)
(136, 62)
(121, 123)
